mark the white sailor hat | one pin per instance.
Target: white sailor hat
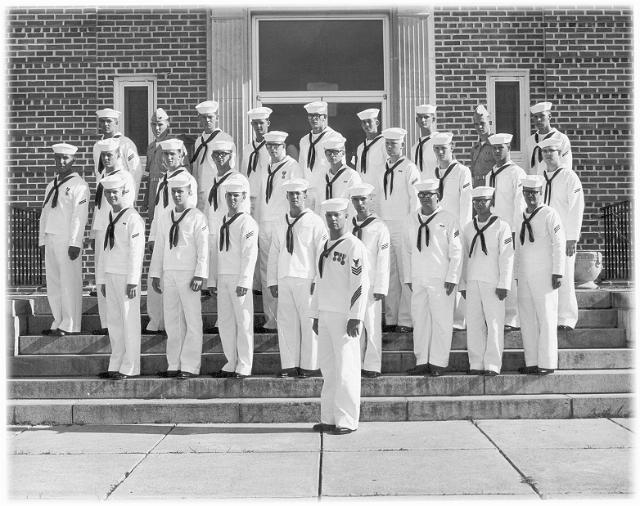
(368, 114)
(533, 181)
(427, 185)
(259, 113)
(361, 190)
(394, 134)
(179, 181)
(335, 142)
(233, 187)
(110, 144)
(207, 107)
(275, 137)
(222, 145)
(482, 192)
(500, 139)
(108, 113)
(64, 149)
(426, 109)
(172, 144)
(334, 205)
(541, 107)
(442, 138)
(115, 180)
(317, 107)
(159, 115)
(296, 184)
(551, 142)
(480, 111)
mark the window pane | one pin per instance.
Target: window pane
(136, 116)
(292, 118)
(299, 55)
(507, 102)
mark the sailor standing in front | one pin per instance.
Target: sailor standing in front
(432, 261)
(118, 279)
(372, 231)
(539, 268)
(338, 306)
(61, 232)
(487, 269)
(180, 261)
(293, 261)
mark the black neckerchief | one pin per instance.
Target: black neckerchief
(493, 175)
(55, 190)
(526, 225)
(424, 226)
(110, 235)
(311, 155)
(224, 231)
(289, 236)
(444, 176)
(418, 157)
(325, 254)
(547, 188)
(271, 175)
(213, 193)
(164, 188)
(388, 171)
(175, 227)
(480, 234)
(204, 144)
(357, 229)
(253, 157)
(365, 150)
(328, 191)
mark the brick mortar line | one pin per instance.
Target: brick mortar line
(135, 466)
(525, 478)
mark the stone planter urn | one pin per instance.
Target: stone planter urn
(588, 268)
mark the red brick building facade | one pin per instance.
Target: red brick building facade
(63, 65)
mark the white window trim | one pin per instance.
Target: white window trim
(123, 81)
(522, 78)
(305, 96)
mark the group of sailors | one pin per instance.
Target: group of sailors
(431, 243)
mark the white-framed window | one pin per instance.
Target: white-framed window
(508, 104)
(341, 59)
(135, 98)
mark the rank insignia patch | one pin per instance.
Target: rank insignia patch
(356, 268)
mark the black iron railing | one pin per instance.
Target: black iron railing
(26, 262)
(618, 227)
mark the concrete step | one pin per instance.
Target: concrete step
(587, 299)
(269, 362)
(130, 411)
(588, 318)
(204, 387)
(87, 344)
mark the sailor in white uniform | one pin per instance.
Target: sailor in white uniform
(255, 157)
(539, 269)
(338, 306)
(541, 115)
(237, 252)
(61, 232)
(397, 201)
(371, 154)
(311, 158)
(111, 162)
(293, 261)
(173, 153)
(273, 205)
(203, 167)
(487, 270)
(130, 160)
(372, 231)
(563, 192)
(508, 203)
(180, 261)
(432, 262)
(339, 177)
(118, 279)
(422, 153)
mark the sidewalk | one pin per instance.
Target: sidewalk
(484, 459)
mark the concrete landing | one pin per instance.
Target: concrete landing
(473, 459)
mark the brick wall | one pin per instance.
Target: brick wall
(580, 60)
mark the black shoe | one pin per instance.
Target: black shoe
(155, 332)
(210, 330)
(404, 329)
(436, 370)
(491, 373)
(120, 376)
(544, 372)
(223, 374)
(564, 327)
(341, 431)
(100, 332)
(48, 332)
(419, 370)
(60, 332)
(237, 375)
(93, 293)
(291, 372)
(323, 427)
(475, 371)
(169, 374)
(309, 373)
(369, 374)
(532, 369)
(186, 375)
(389, 328)
(107, 374)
